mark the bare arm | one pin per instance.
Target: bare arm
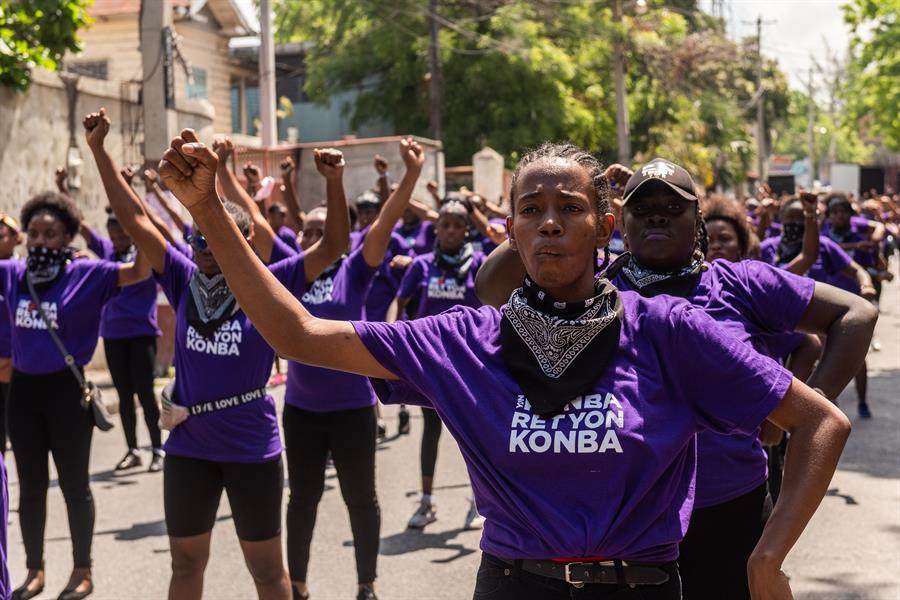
(376, 241)
(263, 235)
(125, 203)
(336, 237)
(189, 170)
(294, 213)
(423, 212)
(818, 431)
(499, 275)
(384, 186)
(855, 271)
(136, 272)
(847, 321)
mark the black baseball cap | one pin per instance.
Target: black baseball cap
(661, 171)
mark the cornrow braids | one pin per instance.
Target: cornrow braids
(701, 245)
(549, 151)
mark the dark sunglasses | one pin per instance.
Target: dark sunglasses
(197, 242)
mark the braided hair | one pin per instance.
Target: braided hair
(549, 151)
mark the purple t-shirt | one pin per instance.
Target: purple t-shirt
(289, 237)
(5, 328)
(419, 237)
(339, 294)
(132, 312)
(235, 361)
(73, 304)
(858, 232)
(827, 268)
(436, 291)
(387, 280)
(281, 251)
(751, 301)
(613, 474)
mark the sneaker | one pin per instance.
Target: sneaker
(129, 461)
(382, 429)
(277, 379)
(424, 515)
(404, 423)
(863, 410)
(473, 519)
(156, 463)
(366, 593)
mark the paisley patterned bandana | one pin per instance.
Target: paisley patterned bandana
(211, 303)
(653, 283)
(557, 350)
(455, 265)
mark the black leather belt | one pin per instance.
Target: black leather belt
(608, 572)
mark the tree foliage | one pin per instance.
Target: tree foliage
(37, 33)
(517, 73)
(875, 67)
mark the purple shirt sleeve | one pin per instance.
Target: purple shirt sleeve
(176, 274)
(291, 273)
(280, 250)
(834, 259)
(731, 387)
(411, 279)
(778, 298)
(101, 246)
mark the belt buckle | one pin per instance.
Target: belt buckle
(568, 573)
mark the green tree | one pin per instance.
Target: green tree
(875, 66)
(37, 33)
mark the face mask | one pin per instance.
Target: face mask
(792, 232)
(45, 264)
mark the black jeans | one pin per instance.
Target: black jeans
(130, 362)
(498, 580)
(45, 415)
(714, 553)
(4, 401)
(431, 436)
(350, 436)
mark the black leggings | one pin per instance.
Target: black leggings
(350, 436)
(192, 489)
(714, 553)
(4, 401)
(130, 362)
(45, 415)
(431, 436)
(498, 580)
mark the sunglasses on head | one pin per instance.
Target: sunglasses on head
(197, 242)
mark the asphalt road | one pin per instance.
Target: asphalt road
(851, 550)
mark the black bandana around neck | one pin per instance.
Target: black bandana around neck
(791, 242)
(211, 303)
(45, 265)
(125, 256)
(455, 265)
(651, 283)
(557, 351)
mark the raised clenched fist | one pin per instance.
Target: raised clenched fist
(128, 173)
(188, 169)
(330, 163)
(412, 154)
(62, 177)
(617, 175)
(150, 177)
(252, 173)
(287, 167)
(96, 126)
(223, 147)
(381, 165)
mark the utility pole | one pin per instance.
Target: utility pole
(811, 127)
(435, 77)
(762, 154)
(622, 128)
(158, 80)
(267, 128)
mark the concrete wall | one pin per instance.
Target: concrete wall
(34, 128)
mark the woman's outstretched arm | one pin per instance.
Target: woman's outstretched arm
(189, 170)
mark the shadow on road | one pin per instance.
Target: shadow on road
(413, 540)
(846, 586)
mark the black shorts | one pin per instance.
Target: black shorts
(192, 489)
